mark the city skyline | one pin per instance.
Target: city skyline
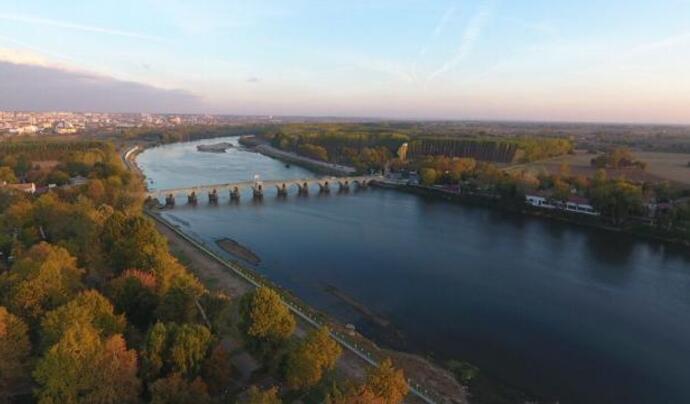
(464, 60)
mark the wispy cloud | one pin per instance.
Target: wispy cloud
(438, 29)
(28, 19)
(469, 38)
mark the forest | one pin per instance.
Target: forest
(94, 307)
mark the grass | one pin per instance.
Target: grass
(672, 167)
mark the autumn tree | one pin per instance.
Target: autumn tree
(83, 367)
(43, 278)
(179, 303)
(133, 242)
(384, 385)
(175, 389)
(264, 316)
(316, 354)
(217, 370)
(89, 307)
(387, 382)
(428, 176)
(258, 396)
(175, 348)
(15, 349)
(134, 294)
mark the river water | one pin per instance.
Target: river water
(564, 312)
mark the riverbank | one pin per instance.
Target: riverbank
(643, 232)
(437, 386)
(322, 167)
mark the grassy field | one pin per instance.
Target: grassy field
(672, 167)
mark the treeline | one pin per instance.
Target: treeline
(95, 308)
(359, 149)
(45, 149)
(519, 149)
(621, 202)
(619, 157)
(372, 146)
(192, 132)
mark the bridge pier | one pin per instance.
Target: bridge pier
(258, 192)
(282, 191)
(344, 186)
(363, 184)
(303, 190)
(213, 197)
(191, 198)
(170, 201)
(324, 188)
(235, 195)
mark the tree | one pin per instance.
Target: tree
(175, 348)
(179, 303)
(217, 370)
(82, 367)
(265, 317)
(133, 242)
(257, 396)
(387, 383)
(155, 348)
(188, 347)
(15, 349)
(44, 278)
(134, 294)
(317, 353)
(89, 307)
(174, 389)
(7, 175)
(617, 199)
(428, 176)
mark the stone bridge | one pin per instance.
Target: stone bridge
(258, 187)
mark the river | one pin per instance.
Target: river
(564, 312)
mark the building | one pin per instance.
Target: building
(574, 204)
(29, 188)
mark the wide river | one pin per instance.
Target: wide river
(564, 312)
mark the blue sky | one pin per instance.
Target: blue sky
(495, 59)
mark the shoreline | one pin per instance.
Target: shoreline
(558, 216)
(361, 347)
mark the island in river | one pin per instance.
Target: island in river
(568, 313)
(233, 247)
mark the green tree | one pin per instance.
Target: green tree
(7, 175)
(179, 303)
(82, 367)
(15, 349)
(89, 307)
(43, 278)
(174, 389)
(133, 242)
(428, 176)
(175, 348)
(316, 354)
(265, 317)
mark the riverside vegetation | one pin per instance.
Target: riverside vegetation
(94, 308)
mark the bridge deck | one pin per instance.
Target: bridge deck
(265, 184)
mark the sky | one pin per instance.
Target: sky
(610, 61)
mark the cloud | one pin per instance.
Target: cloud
(27, 87)
(72, 26)
(438, 29)
(253, 80)
(467, 42)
